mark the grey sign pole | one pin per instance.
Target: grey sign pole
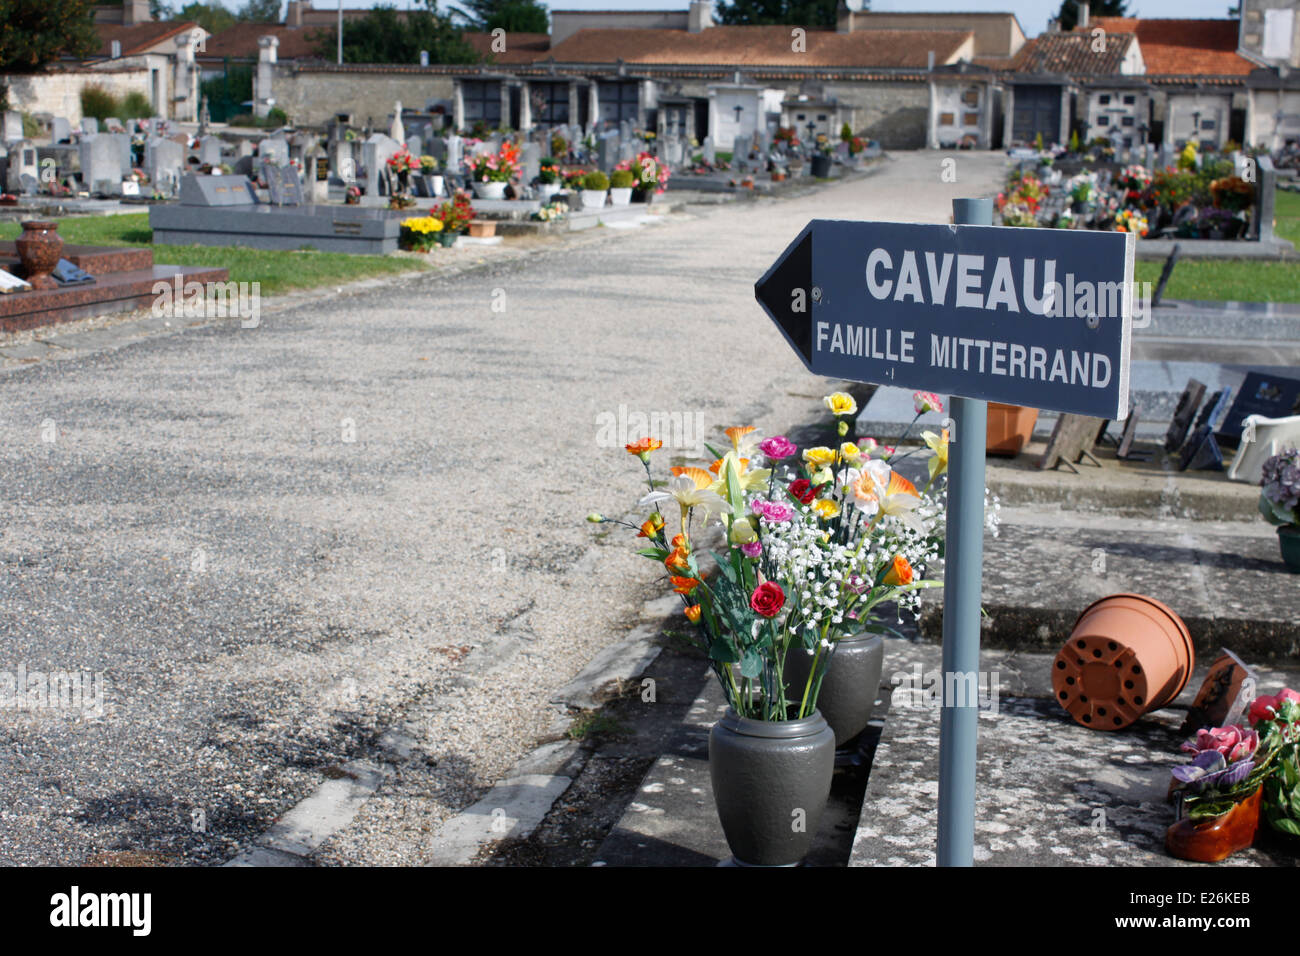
(963, 577)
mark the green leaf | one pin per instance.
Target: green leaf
(1286, 825)
(722, 650)
(725, 567)
(751, 663)
(713, 451)
(659, 554)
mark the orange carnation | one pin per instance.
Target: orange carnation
(693, 614)
(684, 585)
(899, 573)
(643, 446)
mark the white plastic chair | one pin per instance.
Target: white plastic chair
(1271, 435)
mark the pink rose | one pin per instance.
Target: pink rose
(774, 511)
(777, 447)
(1233, 741)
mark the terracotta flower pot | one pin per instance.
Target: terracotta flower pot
(482, 229)
(39, 248)
(1128, 654)
(1218, 838)
(1010, 427)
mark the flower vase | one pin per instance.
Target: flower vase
(39, 248)
(489, 190)
(850, 685)
(1288, 540)
(767, 776)
(1219, 837)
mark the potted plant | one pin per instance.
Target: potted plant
(595, 187)
(1276, 717)
(1218, 794)
(1279, 503)
(621, 182)
(806, 560)
(455, 215)
(401, 163)
(420, 233)
(821, 158)
(490, 172)
(650, 174)
(548, 179)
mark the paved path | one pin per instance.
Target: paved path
(278, 544)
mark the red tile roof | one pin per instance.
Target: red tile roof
(760, 46)
(520, 47)
(239, 42)
(138, 37)
(1072, 53)
(1183, 47)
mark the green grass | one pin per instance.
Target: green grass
(1227, 280)
(1288, 216)
(276, 271)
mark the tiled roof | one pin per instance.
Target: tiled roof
(1071, 53)
(240, 41)
(1183, 47)
(761, 46)
(138, 37)
(520, 47)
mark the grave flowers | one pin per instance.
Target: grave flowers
(1279, 503)
(649, 173)
(401, 163)
(420, 233)
(1218, 793)
(490, 172)
(804, 561)
(455, 215)
(1276, 718)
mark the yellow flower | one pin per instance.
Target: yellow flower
(841, 403)
(851, 453)
(742, 531)
(755, 480)
(939, 445)
(826, 508)
(819, 457)
(738, 435)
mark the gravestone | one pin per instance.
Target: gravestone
(163, 158)
(13, 128)
(710, 154)
(273, 150)
(1185, 411)
(1125, 450)
(1200, 451)
(29, 185)
(101, 164)
(210, 151)
(1265, 199)
(284, 186)
(243, 148)
(455, 155)
(60, 130)
(1072, 439)
(216, 191)
(114, 125)
(530, 161)
(244, 166)
(607, 152)
(122, 142)
(23, 161)
(89, 125)
(414, 146)
(1270, 396)
(375, 153)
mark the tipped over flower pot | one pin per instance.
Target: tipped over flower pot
(1127, 655)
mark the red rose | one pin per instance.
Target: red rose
(767, 599)
(1266, 706)
(803, 490)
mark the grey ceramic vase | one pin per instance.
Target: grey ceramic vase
(770, 783)
(850, 687)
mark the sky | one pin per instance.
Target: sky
(1032, 14)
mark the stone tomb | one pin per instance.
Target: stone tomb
(224, 211)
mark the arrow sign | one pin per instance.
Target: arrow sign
(1037, 317)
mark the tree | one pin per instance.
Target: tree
(799, 13)
(384, 36)
(213, 17)
(260, 11)
(1069, 14)
(34, 34)
(161, 10)
(513, 16)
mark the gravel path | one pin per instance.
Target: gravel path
(277, 543)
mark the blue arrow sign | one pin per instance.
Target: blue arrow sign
(1038, 317)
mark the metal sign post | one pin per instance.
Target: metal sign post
(1039, 317)
(962, 586)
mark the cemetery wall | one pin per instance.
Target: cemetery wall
(895, 114)
(312, 98)
(59, 93)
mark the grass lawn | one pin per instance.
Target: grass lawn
(276, 271)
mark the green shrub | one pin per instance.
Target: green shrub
(31, 128)
(846, 133)
(596, 181)
(98, 102)
(135, 105)
(276, 117)
(622, 179)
